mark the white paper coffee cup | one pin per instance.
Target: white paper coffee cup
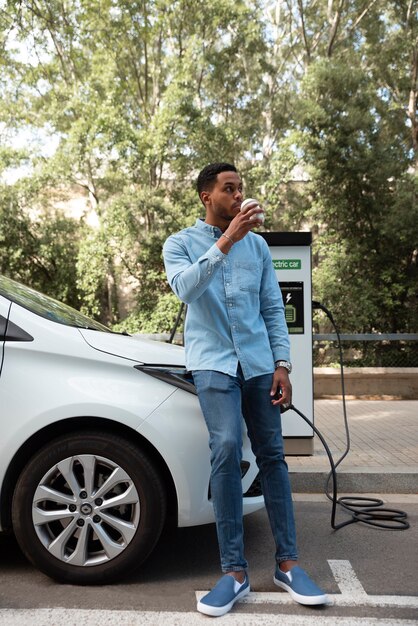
(244, 209)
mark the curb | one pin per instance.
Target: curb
(313, 481)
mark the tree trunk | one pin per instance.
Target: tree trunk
(412, 105)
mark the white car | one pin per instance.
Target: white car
(102, 441)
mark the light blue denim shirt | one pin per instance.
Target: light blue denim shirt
(235, 307)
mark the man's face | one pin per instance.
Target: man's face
(223, 202)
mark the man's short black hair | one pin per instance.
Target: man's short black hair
(207, 177)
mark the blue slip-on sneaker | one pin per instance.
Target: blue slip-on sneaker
(223, 596)
(300, 586)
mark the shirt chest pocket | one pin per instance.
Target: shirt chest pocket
(248, 275)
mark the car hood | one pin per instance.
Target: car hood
(134, 348)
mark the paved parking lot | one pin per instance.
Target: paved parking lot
(371, 575)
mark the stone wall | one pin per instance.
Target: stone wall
(392, 383)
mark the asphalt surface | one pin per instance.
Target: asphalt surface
(377, 571)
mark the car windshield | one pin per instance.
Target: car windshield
(45, 306)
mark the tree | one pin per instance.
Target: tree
(316, 102)
(140, 94)
(40, 250)
(363, 199)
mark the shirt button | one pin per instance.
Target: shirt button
(229, 303)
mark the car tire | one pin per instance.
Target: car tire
(88, 508)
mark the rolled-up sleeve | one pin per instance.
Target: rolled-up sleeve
(189, 280)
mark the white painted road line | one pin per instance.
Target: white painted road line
(283, 598)
(346, 579)
(80, 617)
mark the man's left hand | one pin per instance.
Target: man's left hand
(281, 389)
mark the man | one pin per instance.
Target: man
(237, 348)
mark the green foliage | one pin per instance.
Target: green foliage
(40, 251)
(160, 319)
(363, 202)
(93, 275)
(315, 102)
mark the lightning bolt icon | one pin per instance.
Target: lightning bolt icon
(288, 297)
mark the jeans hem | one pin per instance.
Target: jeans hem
(236, 568)
(292, 557)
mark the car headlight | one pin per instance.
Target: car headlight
(172, 374)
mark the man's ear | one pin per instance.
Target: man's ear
(205, 197)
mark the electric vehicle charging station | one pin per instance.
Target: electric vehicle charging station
(291, 256)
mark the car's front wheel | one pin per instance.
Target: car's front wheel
(88, 508)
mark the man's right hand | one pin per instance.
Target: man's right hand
(244, 222)
(239, 227)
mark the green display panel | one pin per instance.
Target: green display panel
(292, 293)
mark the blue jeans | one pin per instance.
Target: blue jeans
(224, 401)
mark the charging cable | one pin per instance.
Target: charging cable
(366, 510)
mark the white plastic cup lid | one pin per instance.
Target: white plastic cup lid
(246, 202)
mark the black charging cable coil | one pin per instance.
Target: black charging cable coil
(362, 509)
